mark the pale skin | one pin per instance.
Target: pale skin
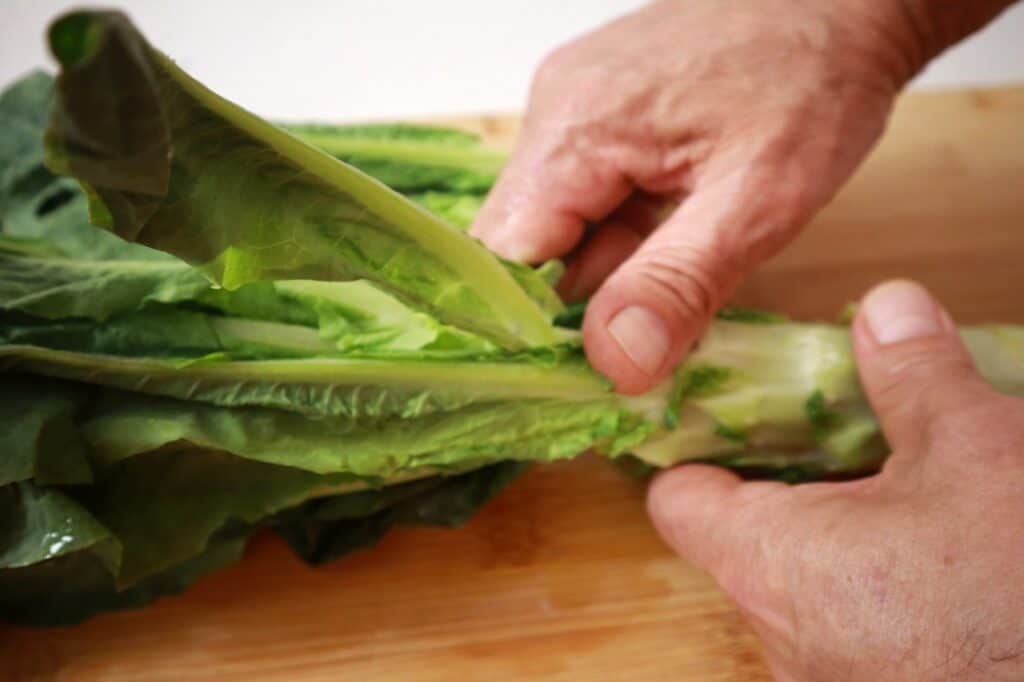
(666, 155)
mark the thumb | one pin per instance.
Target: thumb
(912, 362)
(544, 198)
(642, 321)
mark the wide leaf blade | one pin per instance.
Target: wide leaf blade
(170, 164)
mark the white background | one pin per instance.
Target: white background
(368, 59)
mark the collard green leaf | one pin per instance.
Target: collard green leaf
(35, 204)
(39, 437)
(28, 247)
(355, 363)
(97, 289)
(165, 506)
(354, 387)
(324, 529)
(108, 276)
(410, 158)
(173, 515)
(56, 213)
(69, 589)
(38, 524)
(77, 584)
(189, 173)
(357, 317)
(121, 425)
(342, 316)
(24, 108)
(458, 209)
(169, 333)
(446, 171)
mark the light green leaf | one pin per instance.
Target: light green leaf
(97, 289)
(122, 425)
(410, 158)
(355, 387)
(458, 209)
(190, 173)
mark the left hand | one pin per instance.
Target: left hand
(697, 137)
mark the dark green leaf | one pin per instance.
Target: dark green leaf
(39, 438)
(189, 173)
(322, 530)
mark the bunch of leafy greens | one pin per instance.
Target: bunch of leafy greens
(285, 328)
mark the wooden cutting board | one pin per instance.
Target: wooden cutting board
(561, 578)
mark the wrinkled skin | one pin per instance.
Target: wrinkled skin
(667, 154)
(914, 574)
(697, 137)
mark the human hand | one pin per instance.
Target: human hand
(751, 113)
(699, 136)
(916, 573)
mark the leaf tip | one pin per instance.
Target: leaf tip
(75, 37)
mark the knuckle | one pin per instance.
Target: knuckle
(790, 178)
(682, 278)
(896, 386)
(554, 64)
(927, 369)
(902, 398)
(797, 194)
(778, 196)
(939, 397)
(788, 201)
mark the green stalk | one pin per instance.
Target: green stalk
(788, 395)
(319, 385)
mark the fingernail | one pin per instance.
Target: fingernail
(901, 311)
(642, 335)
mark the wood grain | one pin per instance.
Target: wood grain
(561, 578)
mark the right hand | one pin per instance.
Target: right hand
(916, 573)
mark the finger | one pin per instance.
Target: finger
(544, 198)
(912, 362)
(645, 317)
(690, 507)
(600, 255)
(699, 511)
(610, 244)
